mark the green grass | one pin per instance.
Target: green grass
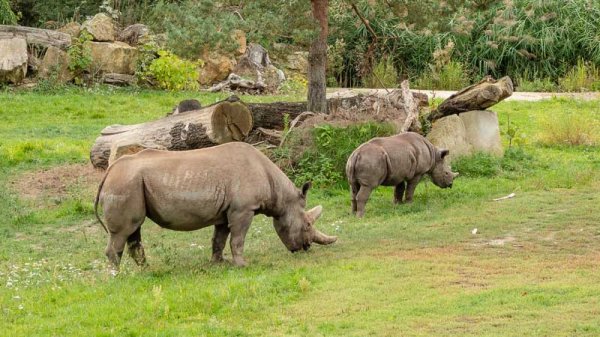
(533, 269)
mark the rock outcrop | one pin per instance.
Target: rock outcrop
(55, 63)
(101, 27)
(134, 34)
(113, 57)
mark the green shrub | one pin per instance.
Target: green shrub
(295, 84)
(384, 75)
(80, 55)
(7, 16)
(173, 73)
(320, 155)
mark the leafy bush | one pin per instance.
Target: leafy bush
(571, 128)
(322, 157)
(7, 16)
(80, 55)
(294, 85)
(174, 73)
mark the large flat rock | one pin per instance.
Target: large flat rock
(13, 60)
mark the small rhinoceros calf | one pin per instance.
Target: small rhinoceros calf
(224, 186)
(399, 161)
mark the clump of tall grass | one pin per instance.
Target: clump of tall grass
(443, 72)
(585, 76)
(384, 75)
(569, 129)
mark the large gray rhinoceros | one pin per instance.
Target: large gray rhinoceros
(224, 186)
(399, 161)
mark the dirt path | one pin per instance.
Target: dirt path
(517, 96)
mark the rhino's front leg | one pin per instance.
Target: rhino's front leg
(399, 192)
(219, 241)
(239, 222)
(410, 188)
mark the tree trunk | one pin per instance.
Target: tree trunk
(43, 37)
(219, 123)
(317, 60)
(479, 96)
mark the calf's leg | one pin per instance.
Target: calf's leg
(399, 192)
(239, 222)
(219, 241)
(361, 199)
(410, 188)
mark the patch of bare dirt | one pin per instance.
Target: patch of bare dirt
(57, 181)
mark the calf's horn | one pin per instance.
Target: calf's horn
(454, 174)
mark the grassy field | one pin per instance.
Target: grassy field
(532, 269)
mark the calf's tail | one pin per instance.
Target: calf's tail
(98, 200)
(351, 165)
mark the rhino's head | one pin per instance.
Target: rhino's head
(441, 175)
(296, 227)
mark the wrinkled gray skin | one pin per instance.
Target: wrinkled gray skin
(224, 186)
(399, 161)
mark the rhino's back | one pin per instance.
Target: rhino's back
(187, 190)
(410, 155)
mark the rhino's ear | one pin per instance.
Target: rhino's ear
(443, 153)
(307, 185)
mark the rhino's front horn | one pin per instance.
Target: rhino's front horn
(323, 239)
(454, 174)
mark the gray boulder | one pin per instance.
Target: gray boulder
(467, 133)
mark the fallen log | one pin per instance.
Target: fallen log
(43, 37)
(479, 96)
(350, 103)
(222, 122)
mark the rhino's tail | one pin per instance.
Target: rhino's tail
(98, 200)
(351, 165)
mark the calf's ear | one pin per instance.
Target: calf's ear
(307, 185)
(443, 153)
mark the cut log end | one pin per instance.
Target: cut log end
(231, 122)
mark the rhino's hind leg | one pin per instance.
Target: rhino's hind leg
(361, 199)
(219, 241)
(399, 192)
(354, 190)
(135, 248)
(114, 249)
(239, 222)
